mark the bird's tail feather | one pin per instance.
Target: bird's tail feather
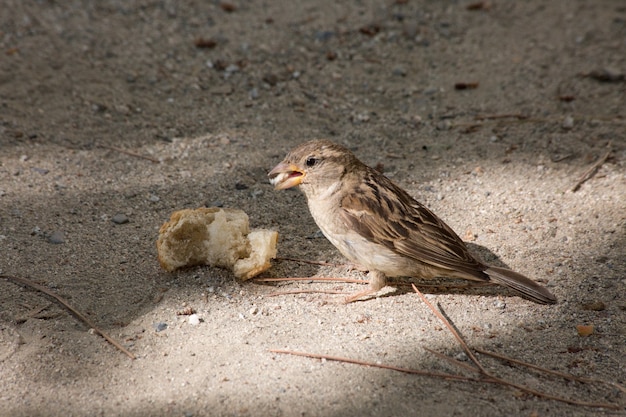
(521, 284)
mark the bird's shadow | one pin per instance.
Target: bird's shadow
(485, 255)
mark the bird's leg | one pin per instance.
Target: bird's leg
(377, 282)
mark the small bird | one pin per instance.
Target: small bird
(378, 225)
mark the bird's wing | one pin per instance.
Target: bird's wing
(385, 214)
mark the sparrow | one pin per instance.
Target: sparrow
(376, 224)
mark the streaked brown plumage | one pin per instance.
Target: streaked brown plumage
(378, 225)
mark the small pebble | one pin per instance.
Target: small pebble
(154, 198)
(399, 71)
(120, 218)
(222, 90)
(41, 171)
(232, 68)
(568, 123)
(56, 237)
(499, 304)
(316, 235)
(361, 118)
(324, 35)
(607, 75)
(194, 319)
(444, 125)
(594, 306)
(271, 79)
(585, 330)
(253, 94)
(160, 326)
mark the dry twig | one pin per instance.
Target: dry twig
(130, 153)
(276, 294)
(501, 116)
(375, 365)
(550, 371)
(456, 335)
(305, 261)
(33, 313)
(592, 169)
(64, 303)
(324, 279)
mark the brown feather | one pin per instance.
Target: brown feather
(408, 228)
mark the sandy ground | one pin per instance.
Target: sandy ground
(216, 94)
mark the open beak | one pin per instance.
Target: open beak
(285, 175)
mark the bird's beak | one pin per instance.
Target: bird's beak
(285, 175)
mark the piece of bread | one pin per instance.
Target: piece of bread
(263, 244)
(217, 237)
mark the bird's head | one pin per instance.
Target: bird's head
(315, 166)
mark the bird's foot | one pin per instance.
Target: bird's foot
(357, 295)
(377, 280)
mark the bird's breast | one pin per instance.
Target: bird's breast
(357, 248)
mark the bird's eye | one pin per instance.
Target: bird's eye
(310, 161)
